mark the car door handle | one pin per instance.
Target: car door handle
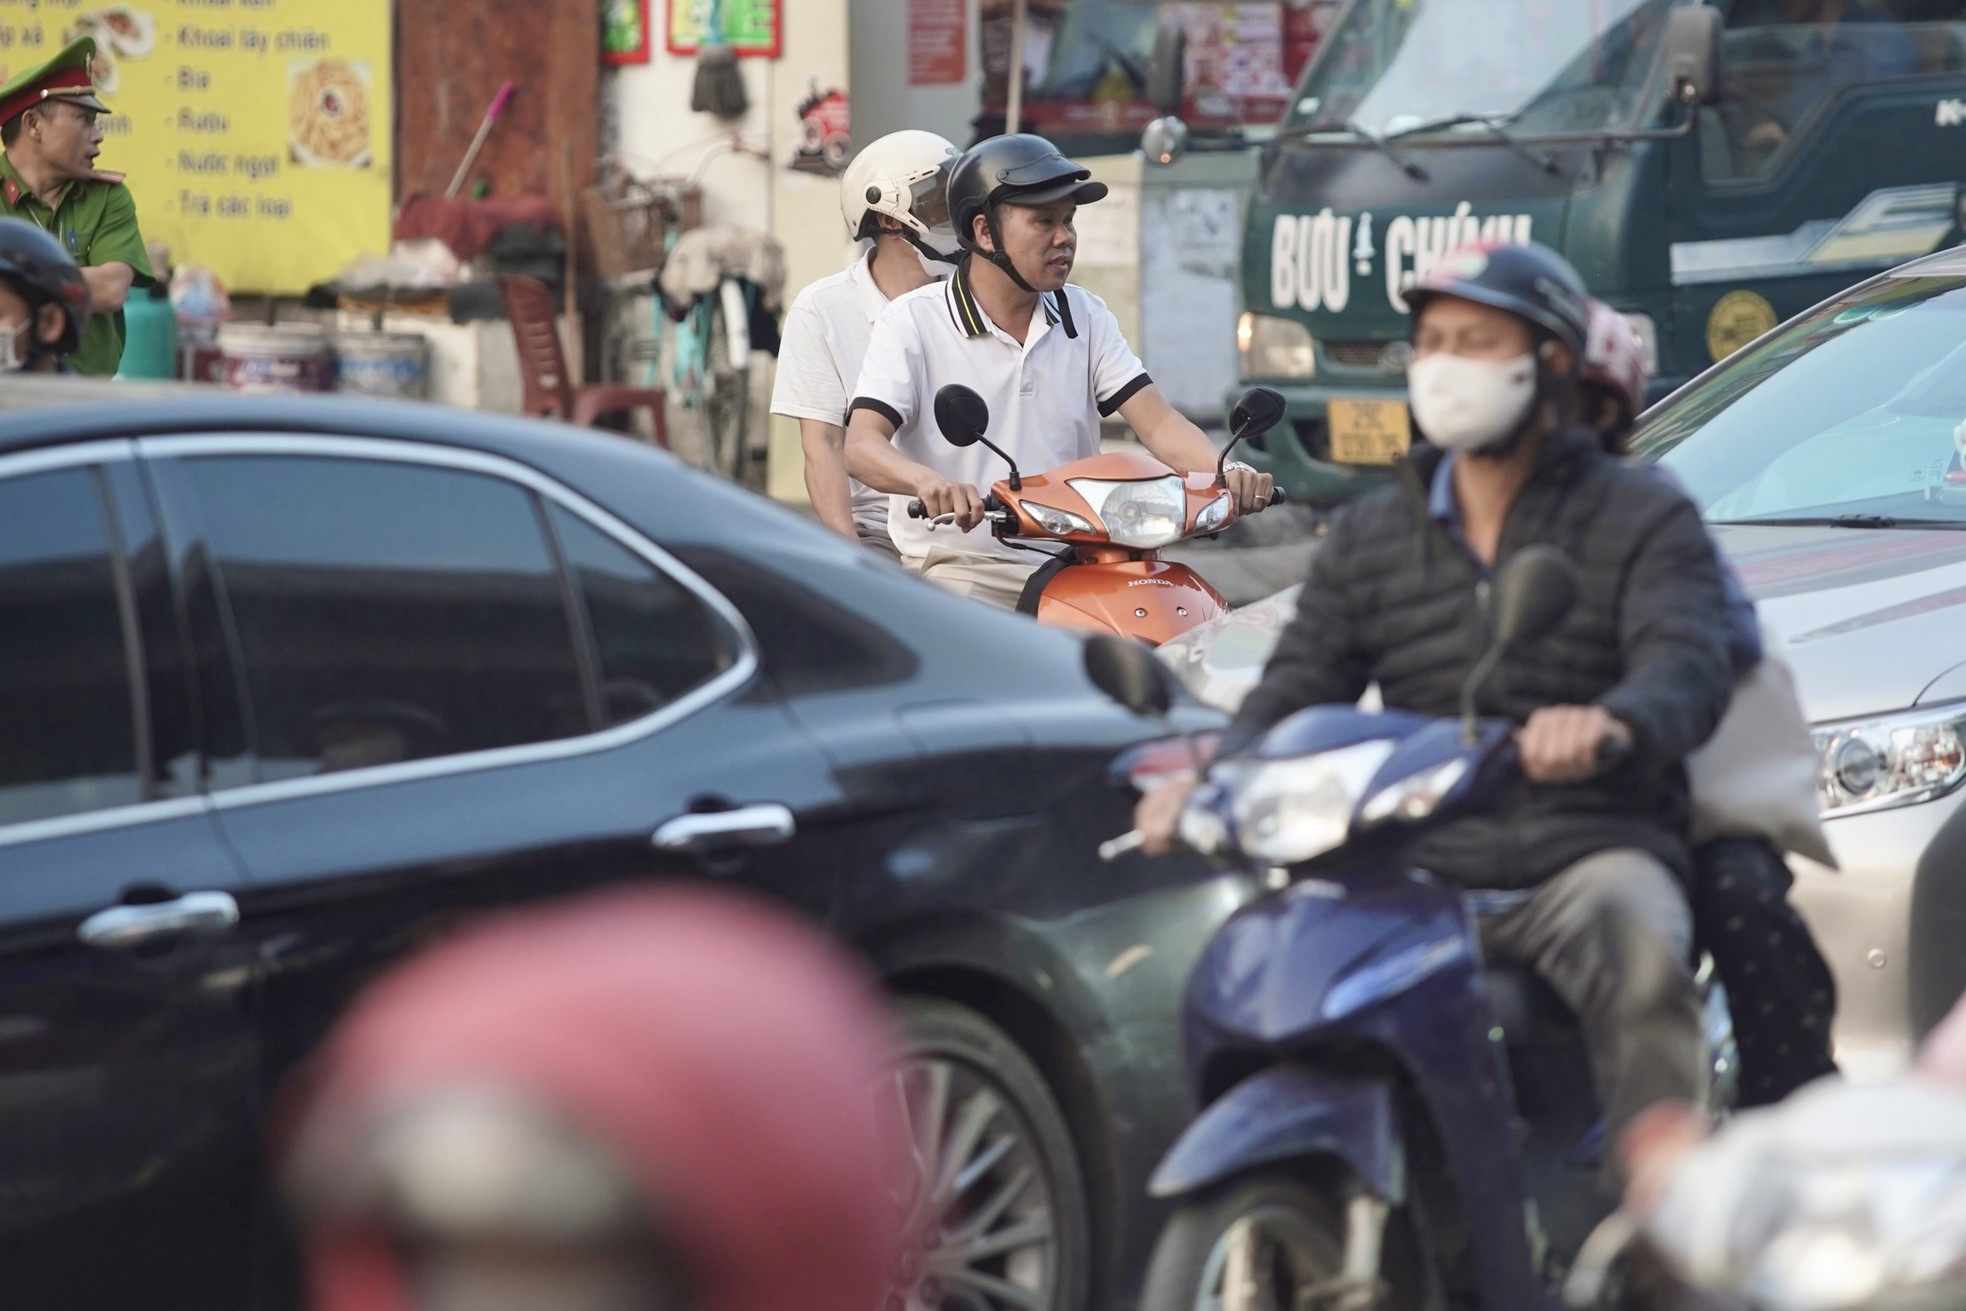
(196, 914)
(722, 830)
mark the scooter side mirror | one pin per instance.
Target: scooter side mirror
(1535, 590)
(1129, 674)
(963, 417)
(1259, 410)
(961, 414)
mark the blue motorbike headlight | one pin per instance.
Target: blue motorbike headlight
(1414, 798)
(1288, 811)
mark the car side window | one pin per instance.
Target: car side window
(653, 640)
(386, 612)
(68, 739)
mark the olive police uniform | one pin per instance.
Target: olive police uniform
(94, 218)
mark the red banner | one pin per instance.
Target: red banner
(938, 53)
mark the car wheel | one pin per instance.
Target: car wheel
(997, 1191)
(1257, 1241)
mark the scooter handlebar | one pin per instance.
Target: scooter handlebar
(1277, 496)
(993, 511)
(1113, 848)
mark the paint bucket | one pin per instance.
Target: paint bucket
(288, 357)
(392, 364)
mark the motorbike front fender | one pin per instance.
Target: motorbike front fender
(1284, 1113)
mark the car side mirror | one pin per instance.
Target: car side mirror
(961, 414)
(1130, 674)
(1692, 43)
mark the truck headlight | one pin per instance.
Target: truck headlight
(1895, 760)
(1272, 347)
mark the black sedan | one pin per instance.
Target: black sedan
(287, 687)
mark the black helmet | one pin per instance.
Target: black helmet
(36, 266)
(1012, 170)
(1529, 280)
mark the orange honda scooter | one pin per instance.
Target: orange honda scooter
(1113, 513)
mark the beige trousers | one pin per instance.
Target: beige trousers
(986, 578)
(876, 539)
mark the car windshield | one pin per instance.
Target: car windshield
(1855, 412)
(1394, 65)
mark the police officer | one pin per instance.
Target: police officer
(44, 301)
(49, 128)
(1048, 358)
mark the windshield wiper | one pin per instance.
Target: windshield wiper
(1845, 521)
(1407, 164)
(1495, 123)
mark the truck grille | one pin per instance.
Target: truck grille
(1356, 354)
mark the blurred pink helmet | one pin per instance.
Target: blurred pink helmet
(1614, 363)
(714, 1056)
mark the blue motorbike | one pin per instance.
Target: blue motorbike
(1386, 1122)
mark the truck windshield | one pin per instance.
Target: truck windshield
(1392, 66)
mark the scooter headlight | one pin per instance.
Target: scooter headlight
(1144, 514)
(1062, 523)
(1289, 811)
(1413, 799)
(1213, 515)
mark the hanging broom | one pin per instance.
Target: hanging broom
(719, 85)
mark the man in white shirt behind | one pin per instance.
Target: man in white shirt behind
(1047, 358)
(893, 196)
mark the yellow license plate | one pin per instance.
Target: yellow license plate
(1368, 431)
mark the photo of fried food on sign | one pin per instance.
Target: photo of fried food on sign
(328, 113)
(121, 32)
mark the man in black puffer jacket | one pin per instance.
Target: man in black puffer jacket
(1578, 871)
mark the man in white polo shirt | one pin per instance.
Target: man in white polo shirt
(1049, 359)
(894, 195)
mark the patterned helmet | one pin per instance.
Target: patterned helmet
(1614, 361)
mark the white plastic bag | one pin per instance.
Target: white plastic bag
(1756, 776)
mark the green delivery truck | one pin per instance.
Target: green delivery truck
(1710, 169)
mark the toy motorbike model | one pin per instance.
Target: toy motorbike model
(1114, 513)
(1387, 1122)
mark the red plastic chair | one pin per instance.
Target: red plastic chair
(549, 392)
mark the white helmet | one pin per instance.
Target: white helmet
(903, 176)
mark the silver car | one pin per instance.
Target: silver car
(1830, 459)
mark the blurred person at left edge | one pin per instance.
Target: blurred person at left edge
(49, 128)
(644, 1100)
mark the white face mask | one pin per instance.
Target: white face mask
(1464, 405)
(10, 358)
(944, 244)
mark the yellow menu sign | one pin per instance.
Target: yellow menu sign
(256, 133)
